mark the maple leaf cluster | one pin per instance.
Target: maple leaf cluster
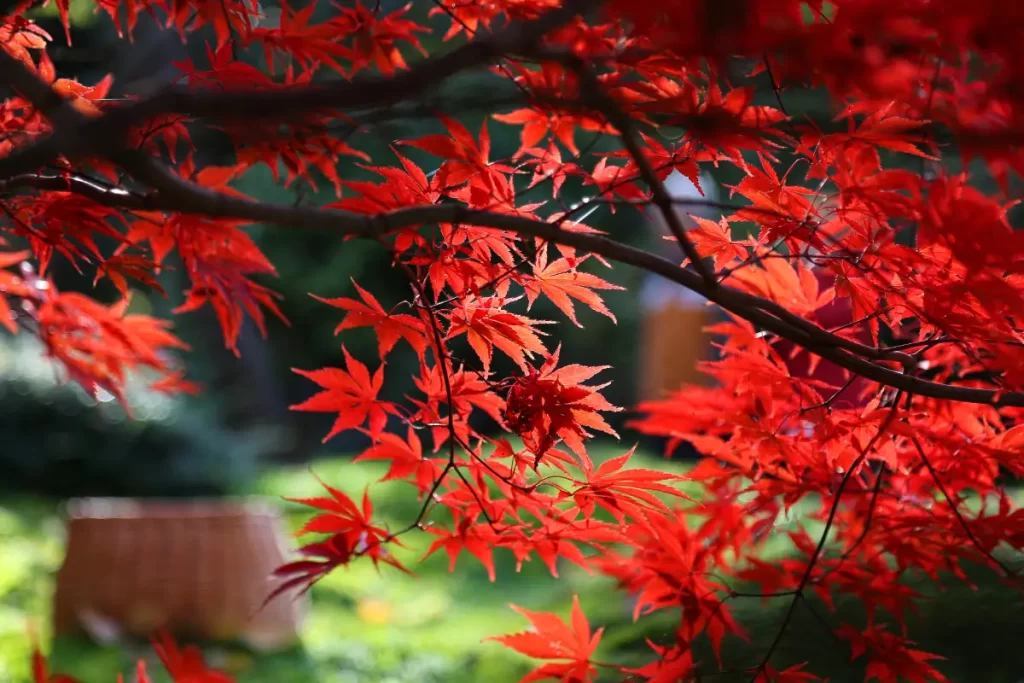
(868, 373)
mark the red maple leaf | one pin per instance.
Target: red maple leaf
(792, 284)
(18, 35)
(714, 240)
(99, 345)
(550, 403)
(488, 326)
(220, 259)
(120, 267)
(228, 18)
(186, 664)
(553, 82)
(882, 129)
(674, 664)
(624, 492)
(465, 157)
(890, 657)
(351, 532)
(551, 638)
(407, 459)
(296, 38)
(352, 393)
(403, 187)
(469, 392)
(547, 165)
(319, 559)
(476, 539)
(468, 17)
(388, 327)
(561, 282)
(374, 37)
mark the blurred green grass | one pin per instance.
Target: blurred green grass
(365, 625)
(389, 627)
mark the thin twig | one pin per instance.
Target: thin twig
(1010, 573)
(813, 561)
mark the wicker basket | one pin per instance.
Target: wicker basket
(197, 568)
(673, 341)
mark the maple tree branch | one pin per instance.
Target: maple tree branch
(61, 112)
(177, 194)
(953, 506)
(64, 117)
(872, 506)
(188, 197)
(827, 403)
(805, 579)
(775, 84)
(594, 93)
(96, 135)
(417, 523)
(442, 359)
(108, 196)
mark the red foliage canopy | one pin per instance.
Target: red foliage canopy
(878, 214)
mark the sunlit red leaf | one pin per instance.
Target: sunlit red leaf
(551, 638)
(352, 393)
(388, 327)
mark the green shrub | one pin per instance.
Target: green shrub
(60, 441)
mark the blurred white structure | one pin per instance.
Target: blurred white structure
(672, 338)
(657, 291)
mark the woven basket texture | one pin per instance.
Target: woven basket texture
(196, 568)
(672, 343)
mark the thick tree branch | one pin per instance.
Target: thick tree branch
(99, 134)
(178, 195)
(109, 196)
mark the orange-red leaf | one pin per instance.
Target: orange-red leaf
(572, 645)
(389, 327)
(561, 282)
(352, 393)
